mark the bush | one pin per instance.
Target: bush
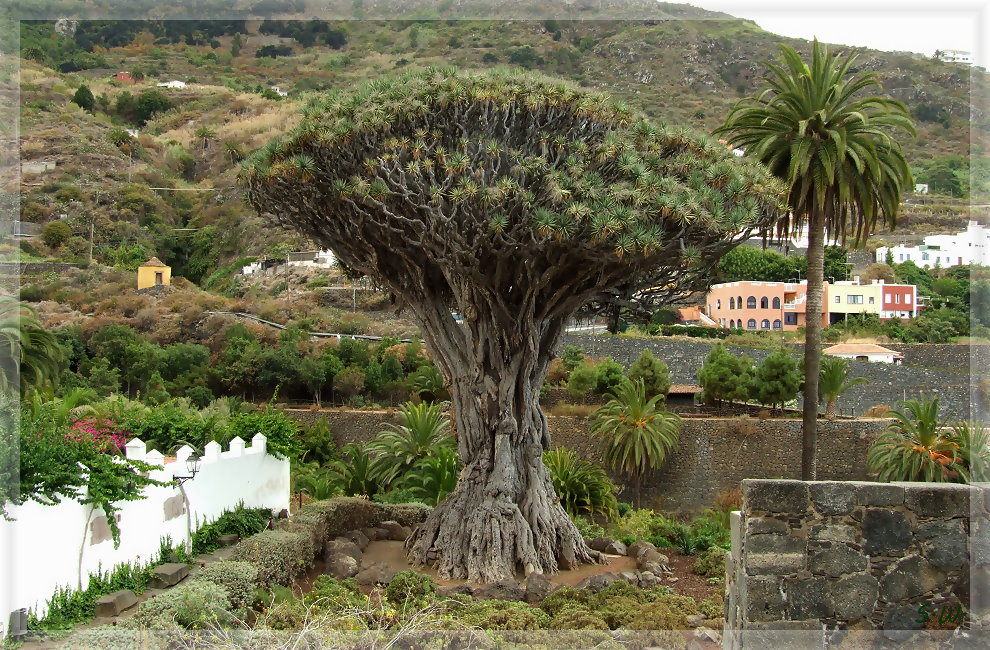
(588, 529)
(238, 579)
(713, 606)
(654, 373)
(412, 589)
(582, 380)
(330, 595)
(582, 486)
(577, 618)
(107, 637)
(502, 615)
(711, 563)
(194, 605)
(657, 616)
(239, 521)
(638, 524)
(564, 598)
(55, 234)
(608, 375)
(279, 556)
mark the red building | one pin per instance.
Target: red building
(125, 77)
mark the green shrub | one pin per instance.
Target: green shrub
(577, 618)
(194, 605)
(711, 563)
(107, 637)
(563, 598)
(329, 594)
(582, 486)
(713, 606)
(286, 615)
(412, 589)
(239, 521)
(321, 517)
(608, 375)
(637, 524)
(278, 555)
(654, 373)
(238, 579)
(582, 380)
(587, 528)
(502, 615)
(657, 616)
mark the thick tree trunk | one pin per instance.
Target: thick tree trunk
(812, 344)
(830, 410)
(503, 517)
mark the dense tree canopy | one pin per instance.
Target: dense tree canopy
(512, 199)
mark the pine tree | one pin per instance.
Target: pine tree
(654, 373)
(84, 98)
(725, 377)
(777, 380)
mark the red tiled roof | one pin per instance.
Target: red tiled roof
(860, 348)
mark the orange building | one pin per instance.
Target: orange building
(761, 305)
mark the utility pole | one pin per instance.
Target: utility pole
(91, 241)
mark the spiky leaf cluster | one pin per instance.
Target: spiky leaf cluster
(476, 171)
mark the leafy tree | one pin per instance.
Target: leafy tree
(56, 234)
(84, 98)
(654, 373)
(832, 145)
(583, 378)
(103, 378)
(349, 382)
(572, 357)
(118, 136)
(725, 377)
(149, 103)
(636, 433)
(547, 195)
(608, 375)
(583, 487)
(235, 45)
(181, 358)
(915, 448)
(833, 381)
(776, 380)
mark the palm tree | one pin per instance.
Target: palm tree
(432, 478)
(207, 133)
(28, 351)
(582, 486)
(422, 430)
(816, 130)
(915, 447)
(358, 473)
(636, 434)
(833, 381)
(974, 447)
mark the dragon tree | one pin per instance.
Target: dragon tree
(513, 199)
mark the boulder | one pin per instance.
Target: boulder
(358, 538)
(371, 534)
(113, 604)
(505, 589)
(648, 579)
(228, 540)
(630, 577)
(652, 560)
(538, 587)
(453, 590)
(637, 548)
(616, 548)
(396, 531)
(166, 575)
(598, 582)
(600, 543)
(376, 574)
(696, 620)
(341, 546)
(342, 566)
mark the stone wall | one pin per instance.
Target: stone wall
(817, 561)
(887, 384)
(714, 453)
(34, 268)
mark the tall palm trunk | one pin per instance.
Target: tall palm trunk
(812, 343)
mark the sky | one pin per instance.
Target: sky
(890, 25)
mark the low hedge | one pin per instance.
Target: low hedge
(278, 555)
(193, 605)
(238, 579)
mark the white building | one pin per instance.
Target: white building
(972, 246)
(864, 352)
(172, 84)
(957, 56)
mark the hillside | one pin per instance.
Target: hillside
(678, 70)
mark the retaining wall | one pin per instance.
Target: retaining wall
(815, 564)
(61, 545)
(714, 454)
(888, 384)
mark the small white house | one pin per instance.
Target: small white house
(864, 352)
(921, 188)
(172, 84)
(280, 92)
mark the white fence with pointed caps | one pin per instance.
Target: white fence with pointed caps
(50, 546)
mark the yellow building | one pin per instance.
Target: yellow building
(154, 273)
(852, 297)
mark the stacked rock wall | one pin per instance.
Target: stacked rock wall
(816, 561)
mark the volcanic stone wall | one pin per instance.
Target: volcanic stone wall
(813, 562)
(714, 453)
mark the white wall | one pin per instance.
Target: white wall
(40, 550)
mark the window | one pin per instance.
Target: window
(751, 324)
(732, 303)
(776, 303)
(739, 302)
(907, 299)
(897, 298)
(838, 299)
(855, 300)
(862, 357)
(732, 324)
(765, 324)
(790, 319)
(901, 257)
(764, 302)
(890, 298)
(924, 256)
(159, 278)
(751, 303)
(776, 324)
(718, 304)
